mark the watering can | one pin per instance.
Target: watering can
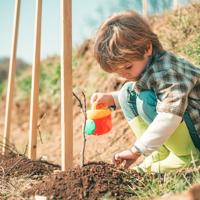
(99, 120)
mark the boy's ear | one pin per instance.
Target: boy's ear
(149, 49)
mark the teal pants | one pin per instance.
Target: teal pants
(178, 151)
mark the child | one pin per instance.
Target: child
(161, 101)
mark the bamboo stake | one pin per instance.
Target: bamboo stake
(34, 108)
(66, 85)
(11, 78)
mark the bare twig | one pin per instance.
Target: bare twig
(83, 130)
(39, 131)
(77, 98)
(26, 148)
(83, 107)
(9, 147)
(38, 126)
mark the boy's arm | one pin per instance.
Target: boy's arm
(162, 127)
(172, 95)
(115, 97)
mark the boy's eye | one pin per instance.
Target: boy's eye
(128, 67)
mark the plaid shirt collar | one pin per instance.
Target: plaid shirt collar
(141, 82)
(152, 60)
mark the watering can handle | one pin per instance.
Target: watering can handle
(96, 106)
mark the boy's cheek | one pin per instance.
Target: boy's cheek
(136, 72)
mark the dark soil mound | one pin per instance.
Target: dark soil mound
(93, 181)
(13, 165)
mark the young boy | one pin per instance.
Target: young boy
(161, 101)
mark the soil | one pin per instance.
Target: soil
(15, 165)
(93, 181)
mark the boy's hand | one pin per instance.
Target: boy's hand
(102, 98)
(129, 156)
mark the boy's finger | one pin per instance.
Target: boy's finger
(128, 163)
(117, 163)
(117, 160)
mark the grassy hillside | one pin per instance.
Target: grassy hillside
(179, 31)
(4, 67)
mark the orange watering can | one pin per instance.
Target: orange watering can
(98, 120)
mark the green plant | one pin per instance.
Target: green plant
(162, 184)
(24, 85)
(2, 87)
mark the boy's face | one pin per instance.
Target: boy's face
(132, 70)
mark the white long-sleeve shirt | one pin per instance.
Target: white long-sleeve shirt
(162, 127)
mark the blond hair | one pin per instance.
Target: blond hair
(122, 38)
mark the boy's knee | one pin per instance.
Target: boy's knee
(148, 97)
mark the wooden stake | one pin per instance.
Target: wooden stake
(66, 85)
(11, 78)
(145, 8)
(175, 4)
(34, 108)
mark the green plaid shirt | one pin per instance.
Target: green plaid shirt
(176, 83)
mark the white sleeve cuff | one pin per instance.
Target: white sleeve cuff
(162, 127)
(115, 97)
